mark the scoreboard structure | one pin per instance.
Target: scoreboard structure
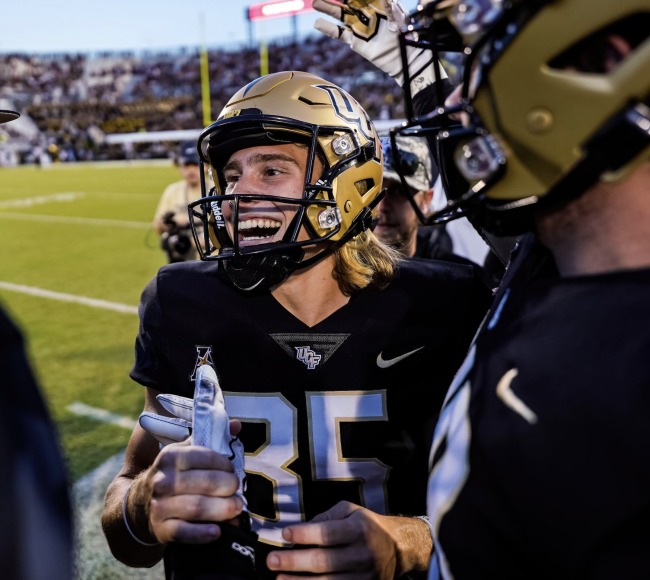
(278, 9)
(263, 11)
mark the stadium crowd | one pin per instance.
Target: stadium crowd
(75, 99)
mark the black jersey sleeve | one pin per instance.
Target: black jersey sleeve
(152, 367)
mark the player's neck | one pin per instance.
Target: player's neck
(606, 230)
(312, 294)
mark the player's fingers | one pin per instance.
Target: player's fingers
(330, 8)
(188, 533)
(180, 406)
(334, 533)
(235, 427)
(166, 429)
(397, 13)
(338, 512)
(334, 31)
(186, 457)
(195, 508)
(210, 482)
(321, 561)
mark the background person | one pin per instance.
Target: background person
(171, 220)
(376, 38)
(399, 224)
(541, 456)
(36, 526)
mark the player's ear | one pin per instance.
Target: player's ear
(425, 202)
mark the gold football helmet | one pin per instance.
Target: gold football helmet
(544, 121)
(291, 107)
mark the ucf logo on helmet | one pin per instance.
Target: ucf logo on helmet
(306, 355)
(346, 108)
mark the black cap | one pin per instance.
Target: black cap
(187, 153)
(6, 116)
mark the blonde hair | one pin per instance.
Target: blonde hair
(362, 262)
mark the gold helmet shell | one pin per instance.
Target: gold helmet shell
(303, 108)
(539, 131)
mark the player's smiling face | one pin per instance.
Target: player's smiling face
(277, 170)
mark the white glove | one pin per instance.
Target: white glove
(371, 28)
(205, 417)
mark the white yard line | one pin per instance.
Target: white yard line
(101, 415)
(92, 302)
(41, 199)
(121, 194)
(57, 219)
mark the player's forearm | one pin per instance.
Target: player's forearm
(123, 546)
(414, 545)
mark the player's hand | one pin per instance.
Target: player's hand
(170, 429)
(371, 28)
(354, 542)
(186, 487)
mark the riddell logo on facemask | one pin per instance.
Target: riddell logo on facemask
(306, 355)
(218, 215)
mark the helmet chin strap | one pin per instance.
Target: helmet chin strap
(261, 272)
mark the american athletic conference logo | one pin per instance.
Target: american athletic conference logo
(306, 355)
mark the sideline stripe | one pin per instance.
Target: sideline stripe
(93, 302)
(74, 220)
(41, 199)
(101, 415)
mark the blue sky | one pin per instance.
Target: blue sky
(91, 25)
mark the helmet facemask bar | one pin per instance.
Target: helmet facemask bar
(419, 34)
(453, 141)
(319, 195)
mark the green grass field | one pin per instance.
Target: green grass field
(81, 354)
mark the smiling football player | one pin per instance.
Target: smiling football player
(324, 343)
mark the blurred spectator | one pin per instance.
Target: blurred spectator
(399, 224)
(171, 221)
(71, 97)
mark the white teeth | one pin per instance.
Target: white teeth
(257, 238)
(258, 223)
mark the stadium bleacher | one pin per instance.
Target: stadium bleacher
(76, 99)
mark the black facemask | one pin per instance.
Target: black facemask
(261, 272)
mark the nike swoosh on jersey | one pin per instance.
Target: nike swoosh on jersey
(384, 364)
(506, 394)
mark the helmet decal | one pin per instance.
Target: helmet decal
(343, 108)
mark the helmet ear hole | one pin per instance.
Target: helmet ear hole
(605, 50)
(364, 185)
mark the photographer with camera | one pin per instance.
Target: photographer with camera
(171, 220)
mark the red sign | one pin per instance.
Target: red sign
(278, 8)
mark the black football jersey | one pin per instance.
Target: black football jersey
(338, 411)
(541, 457)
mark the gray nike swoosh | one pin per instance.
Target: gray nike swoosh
(384, 364)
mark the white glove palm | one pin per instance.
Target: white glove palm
(205, 417)
(371, 28)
